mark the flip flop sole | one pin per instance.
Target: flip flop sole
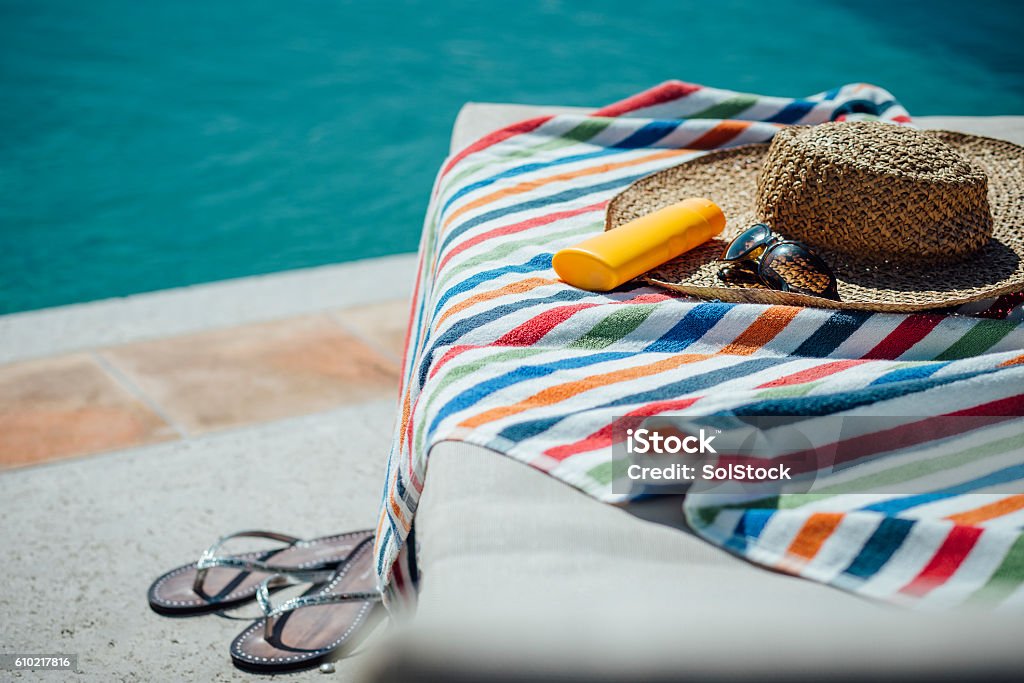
(313, 634)
(172, 594)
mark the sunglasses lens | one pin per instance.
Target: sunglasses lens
(794, 268)
(743, 273)
(746, 242)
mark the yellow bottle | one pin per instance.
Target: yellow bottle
(605, 261)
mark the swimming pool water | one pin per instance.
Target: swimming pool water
(146, 145)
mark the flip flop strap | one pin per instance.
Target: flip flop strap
(210, 559)
(273, 613)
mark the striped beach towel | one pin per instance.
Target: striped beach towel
(502, 354)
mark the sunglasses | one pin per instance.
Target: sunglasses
(760, 257)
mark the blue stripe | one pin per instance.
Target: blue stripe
(527, 168)
(754, 522)
(461, 328)
(652, 132)
(402, 491)
(538, 262)
(531, 428)
(692, 327)
(383, 544)
(831, 94)
(561, 197)
(860, 106)
(886, 540)
(832, 333)
(808, 406)
(649, 134)
(478, 392)
(749, 528)
(793, 112)
(905, 374)
(1003, 476)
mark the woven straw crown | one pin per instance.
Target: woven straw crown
(874, 192)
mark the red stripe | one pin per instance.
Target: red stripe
(902, 118)
(659, 94)
(947, 560)
(533, 330)
(604, 436)
(412, 312)
(811, 374)
(449, 354)
(416, 483)
(518, 227)
(396, 574)
(496, 137)
(912, 330)
(1011, 406)
(896, 438)
(650, 298)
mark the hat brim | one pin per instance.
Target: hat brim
(729, 178)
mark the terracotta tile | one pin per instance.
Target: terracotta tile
(256, 373)
(384, 323)
(66, 406)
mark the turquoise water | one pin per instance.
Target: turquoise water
(146, 145)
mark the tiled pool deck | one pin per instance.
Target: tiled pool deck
(104, 395)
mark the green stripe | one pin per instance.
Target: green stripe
(1006, 578)
(581, 133)
(727, 109)
(919, 469)
(982, 337)
(705, 516)
(588, 129)
(505, 248)
(614, 327)
(788, 392)
(608, 471)
(460, 371)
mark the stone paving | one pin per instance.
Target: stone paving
(179, 386)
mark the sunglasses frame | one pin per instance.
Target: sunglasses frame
(754, 266)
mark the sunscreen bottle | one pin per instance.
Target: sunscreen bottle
(605, 261)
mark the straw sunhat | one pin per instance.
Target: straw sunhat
(908, 220)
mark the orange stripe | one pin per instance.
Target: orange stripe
(1019, 360)
(762, 330)
(720, 134)
(566, 391)
(534, 184)
(990, 511)
(398, 513)
(815, 532)
(406, 409)
(513, 288)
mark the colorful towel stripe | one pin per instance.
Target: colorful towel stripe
(501, 354)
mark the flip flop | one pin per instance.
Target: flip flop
(217, 582)
(320, 625)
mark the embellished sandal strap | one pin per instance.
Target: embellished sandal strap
(210, 559)
(272, 613)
